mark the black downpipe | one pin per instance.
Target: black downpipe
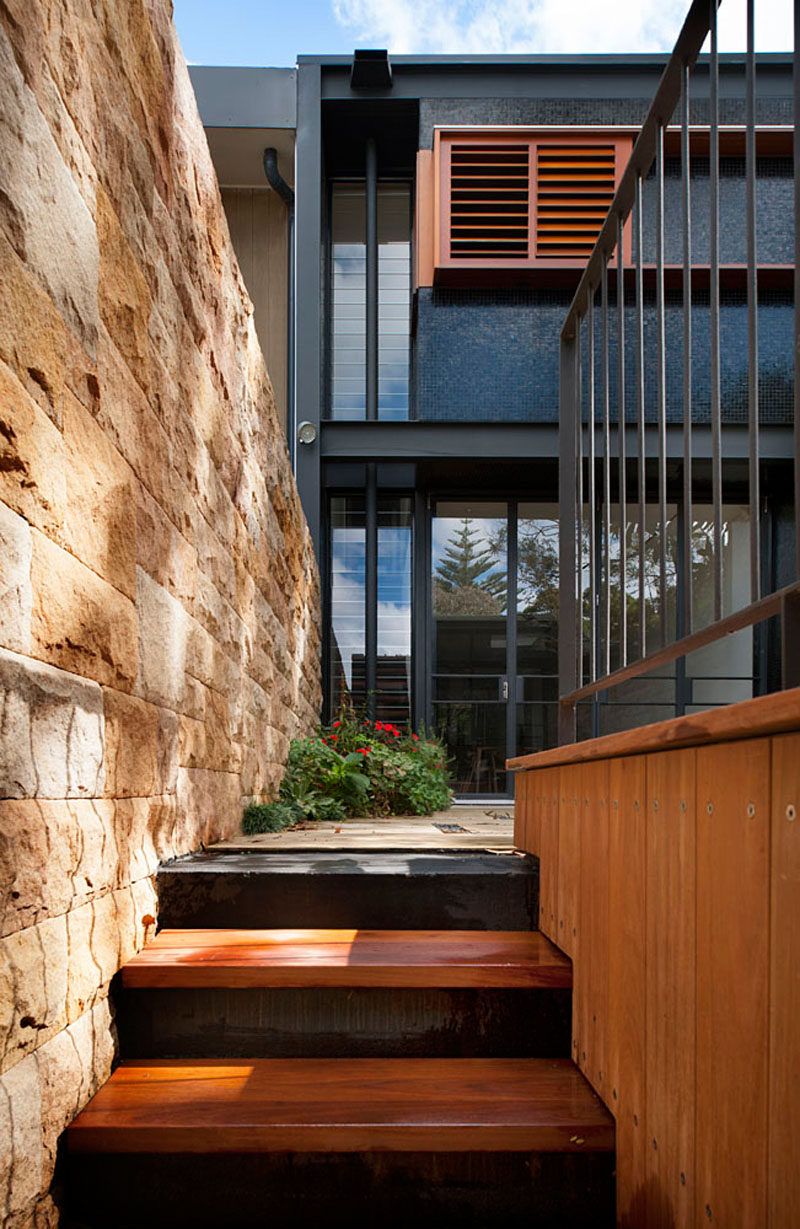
(279, 184)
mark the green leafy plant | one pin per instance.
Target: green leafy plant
(269, 817)
(356, 766)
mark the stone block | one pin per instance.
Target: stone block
(127, 418)
(16, 598)
(21, 1156)
(164, 634)
(162, 552)
(81, 622)
(32, 466)
(72, 1066)
(132, 746)
(42, 211)
(211, 801)
(51, 731)
(35, 963)
(36, 343)
(100, 526)
(124, 296)
(132, 828)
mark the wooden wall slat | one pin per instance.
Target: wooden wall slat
(548, 856)
(569, 861)
(784, 994)
(591, 974)
(524, 801)
(733, 806)
(670, 990)
(684, 926)
(627, 849)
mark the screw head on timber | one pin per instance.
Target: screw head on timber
(683, 1179)
(683, 804)
(710, 808)
(751, 810)
(790, 813)
(614, 1093)
(655, 804)
(636, 1120)
(636, 804)
(708, 1210)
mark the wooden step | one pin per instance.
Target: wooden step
(299, 958)
(345, 1105)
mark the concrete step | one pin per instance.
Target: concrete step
(376, 891)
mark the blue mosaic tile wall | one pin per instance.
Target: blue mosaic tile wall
(774, 204)
(492, 356)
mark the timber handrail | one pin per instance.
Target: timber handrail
(772, 714)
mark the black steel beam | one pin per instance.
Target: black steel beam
(421, 441)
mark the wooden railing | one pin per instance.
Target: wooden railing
(670, 873)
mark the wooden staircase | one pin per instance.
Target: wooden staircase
(349, 1075)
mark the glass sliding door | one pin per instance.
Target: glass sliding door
(470, 681)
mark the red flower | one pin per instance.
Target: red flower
(437, 765)
(336, 723)
(396, 733)
(379, 725)
(415, 737)
(335, 738)
(363, 750)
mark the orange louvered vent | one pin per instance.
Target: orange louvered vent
(489, 202)
(574, 188)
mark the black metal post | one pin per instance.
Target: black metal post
(371, 590)
(372, 279)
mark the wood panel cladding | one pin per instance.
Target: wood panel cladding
(676, 875)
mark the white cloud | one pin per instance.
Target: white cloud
(547, 26)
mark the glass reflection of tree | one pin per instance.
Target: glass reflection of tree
(467, 580)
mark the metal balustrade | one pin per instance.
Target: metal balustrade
(599, 458)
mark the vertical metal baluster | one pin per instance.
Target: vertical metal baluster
(579, 508)
(661, 344)
(569, 415)
(606, 470)
(623, 485)
(590, 375)
(716, 405)
(752, 307)
(686, 194)
(641, 478)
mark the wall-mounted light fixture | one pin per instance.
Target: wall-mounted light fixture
(306, 432)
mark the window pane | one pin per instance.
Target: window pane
(347, 674)
(349, 300)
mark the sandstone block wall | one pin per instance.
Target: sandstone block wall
(158, 594)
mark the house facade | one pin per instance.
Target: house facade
(410, 277)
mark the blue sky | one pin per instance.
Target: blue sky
(274, 32)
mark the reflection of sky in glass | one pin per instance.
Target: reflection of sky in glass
(394, 584)
(394, 591)
(347, 594)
